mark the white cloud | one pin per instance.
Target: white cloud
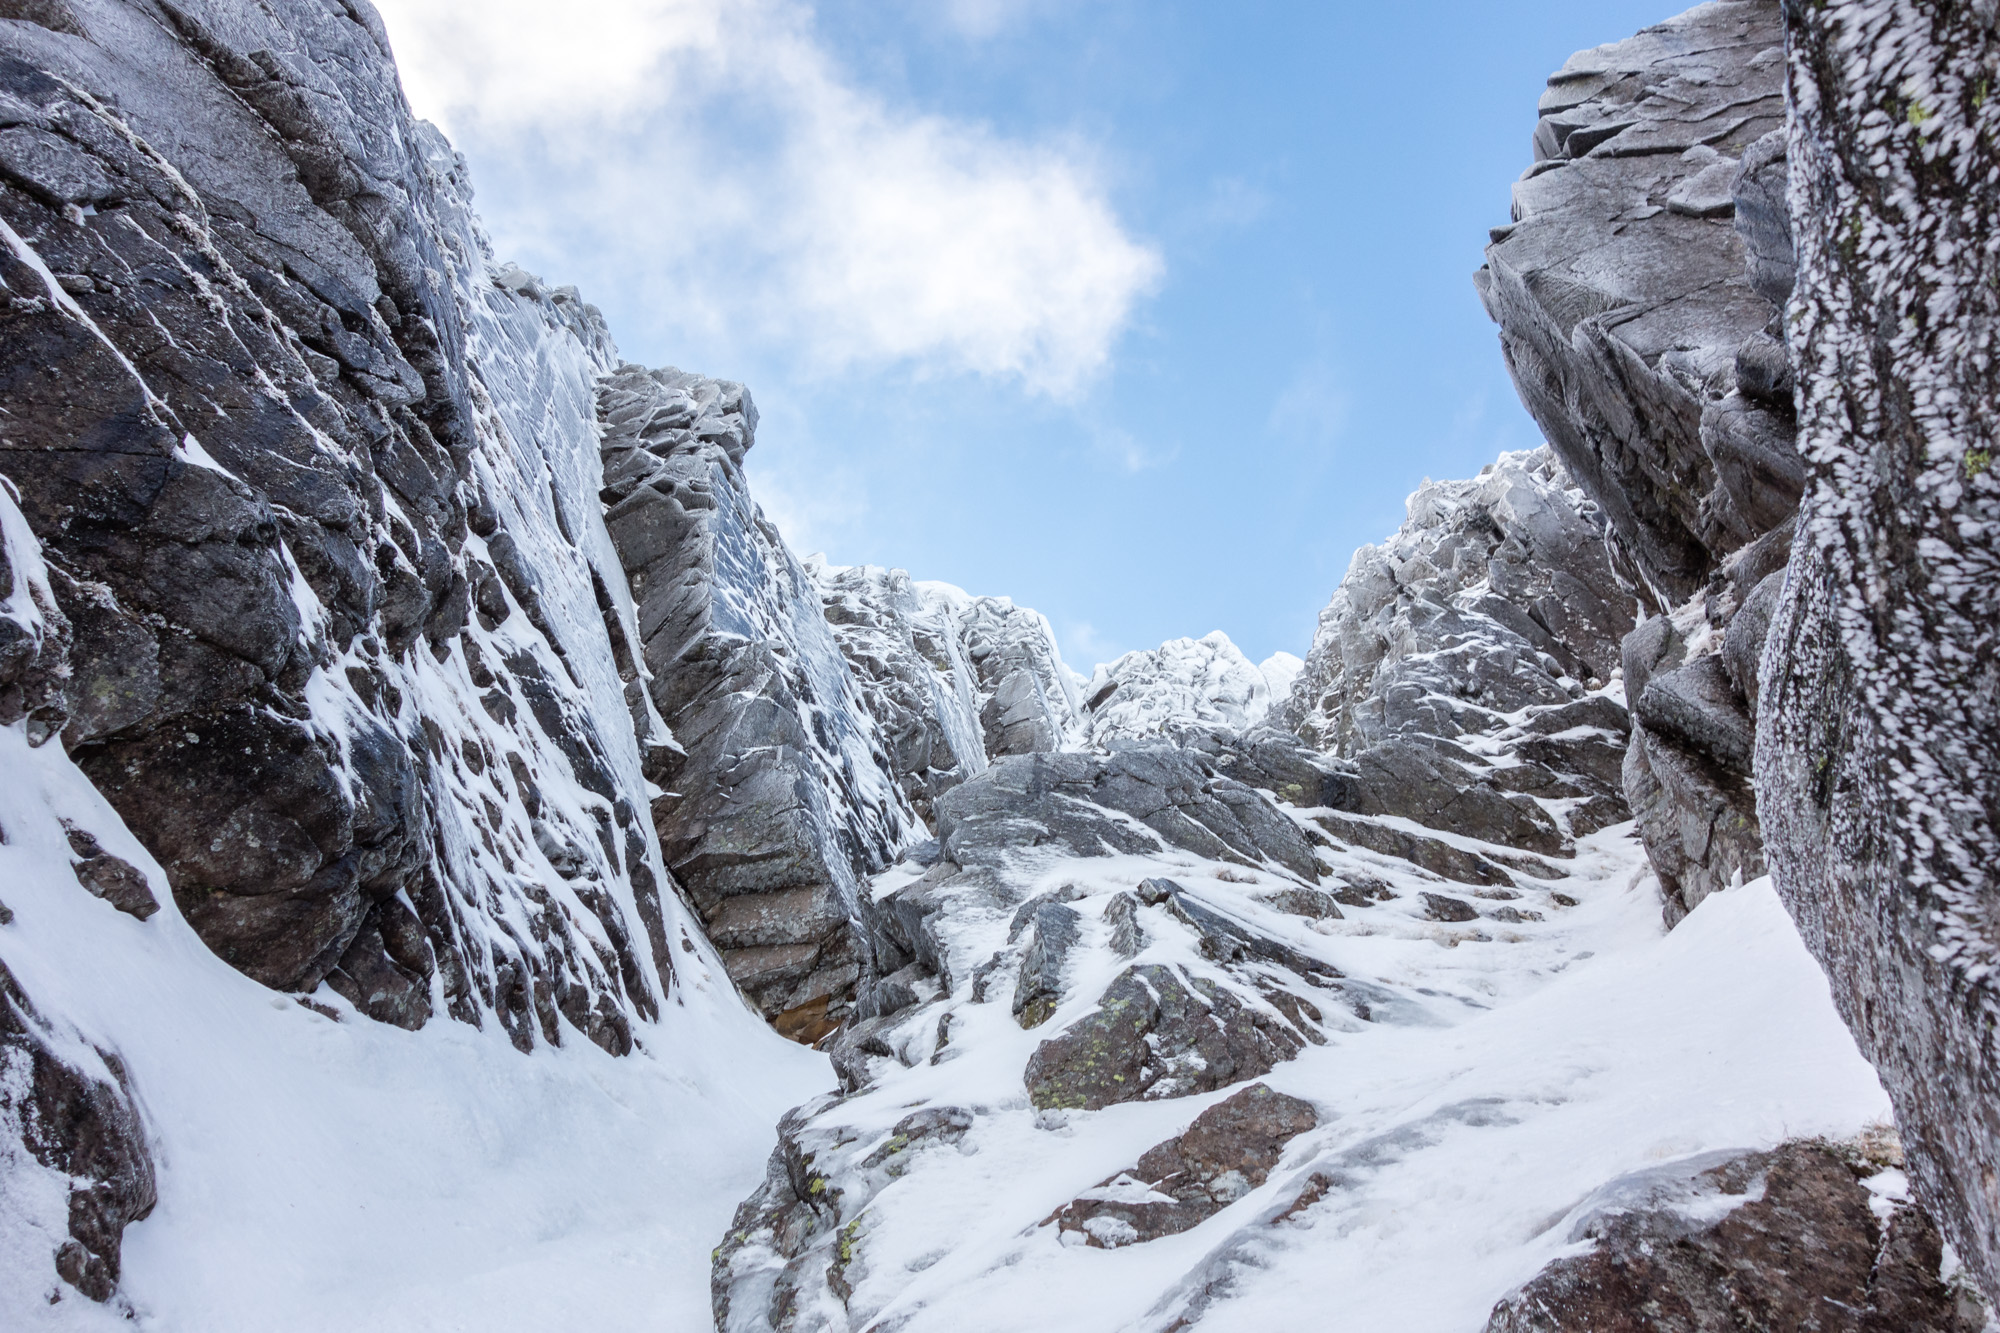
(1080, 641)
(712, 152)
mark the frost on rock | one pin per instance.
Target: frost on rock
(1878, 742)
(317, 494)
(1638, 290)
(1151, 693)
(778, 795)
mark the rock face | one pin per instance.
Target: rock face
(1878, 729)
(1638, 291)
(86, 1160)
(317, 492)
(1228, 1151)
(905, 642)
(1803, 1244)
(777, 793)
(1451, 678)
(1207, 682)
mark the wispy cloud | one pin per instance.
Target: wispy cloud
(1082, 644)
(1313, 407)
(715, 154)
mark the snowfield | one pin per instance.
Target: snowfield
(1459, 1132)
(342, 1175)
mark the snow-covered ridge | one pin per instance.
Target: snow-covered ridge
(1202, 682)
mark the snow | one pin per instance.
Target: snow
(1463, 1131)
(323, 1175)
(1200, 682)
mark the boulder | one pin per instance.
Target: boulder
(1227, 1152)
(1798, 1245)
(1153, 1036)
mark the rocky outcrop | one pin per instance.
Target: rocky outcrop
(1228, 1151)
(906, 644)
(1877, 725)
(82, 1154)
(1458, 675)
(777, 792)
(1205, 682)
(316, 489)
(1803, 1241)
(1027, 697)
(1638, 291)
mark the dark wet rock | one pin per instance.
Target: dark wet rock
(1039, 989)
(1155, 1035)
(111, 878)
(1442, 907)
(1227, 1152)
(81, 1128)
(1801, 1248)
(1878, 747)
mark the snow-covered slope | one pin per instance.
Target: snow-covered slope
(1474, 1063)
(319, 1171)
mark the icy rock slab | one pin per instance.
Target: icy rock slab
(778, 795)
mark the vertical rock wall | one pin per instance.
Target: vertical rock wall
(778, 796)
(1878, 744)
(316, 486)
(1638, 291)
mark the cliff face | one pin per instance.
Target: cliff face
(1638, 291)
(778, 795)
(327, 604)
(1878, 728)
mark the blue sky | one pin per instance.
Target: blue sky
(1146, 315)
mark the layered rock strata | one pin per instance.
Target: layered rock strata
(777, 796)
(1878, 725)
(1638, 291)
